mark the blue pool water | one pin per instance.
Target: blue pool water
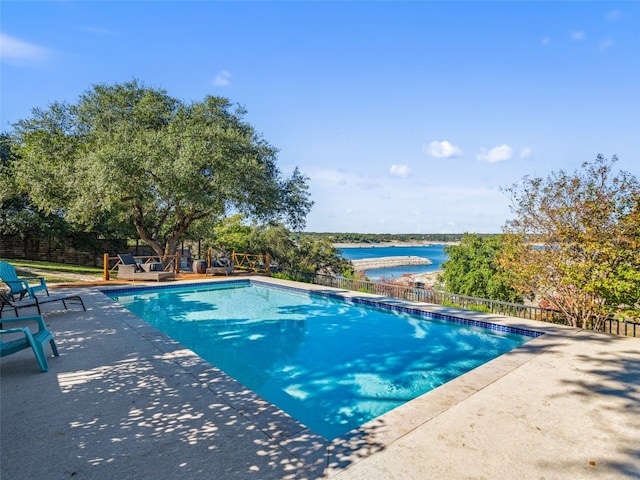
(332, 365)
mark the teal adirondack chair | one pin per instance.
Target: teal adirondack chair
(35, 341)
(20, 286)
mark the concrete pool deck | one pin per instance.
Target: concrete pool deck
(125, 401)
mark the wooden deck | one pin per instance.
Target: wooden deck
(182, 276)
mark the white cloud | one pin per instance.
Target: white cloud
(613, 15)
(12, 48)
(605, 44)
(400, 170)
(525, 153)
(222, 79)
(578, 35)
(496, 154)
(442, 149)
(367, 184)
(330, 177)
(469, 206)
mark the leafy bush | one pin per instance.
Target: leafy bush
(472, 270)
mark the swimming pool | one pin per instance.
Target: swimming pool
(330, 363)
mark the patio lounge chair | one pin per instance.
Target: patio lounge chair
(222, 265)
(20, 286)
(35, 341)
(129, 269)
(36, 301)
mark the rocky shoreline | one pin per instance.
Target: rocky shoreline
(387, 262)
(427, 279)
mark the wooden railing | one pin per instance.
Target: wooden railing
(531, 312)
(175, 263)
(253, 262)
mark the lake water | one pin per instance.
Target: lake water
(435, 253)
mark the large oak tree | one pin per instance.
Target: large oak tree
(134, 153)
(575, 242)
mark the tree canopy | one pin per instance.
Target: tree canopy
(135, 154)
(306, 254)
(472, 269)
(17, 215)
(575, 242)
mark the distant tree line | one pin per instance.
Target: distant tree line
(373, 238)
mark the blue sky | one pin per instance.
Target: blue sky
(408, 117)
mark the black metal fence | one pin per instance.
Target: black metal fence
(625, 329)
(530, 312)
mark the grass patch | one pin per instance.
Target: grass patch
(56, 267)
(57, 270)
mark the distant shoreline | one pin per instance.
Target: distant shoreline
(391, 244)
(427, 279)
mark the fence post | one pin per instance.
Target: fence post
(209, 258)
(105, 267)
(267, 261)
(176, 267)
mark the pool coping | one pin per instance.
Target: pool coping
(328, 458)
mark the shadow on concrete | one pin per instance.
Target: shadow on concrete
(125, 401)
